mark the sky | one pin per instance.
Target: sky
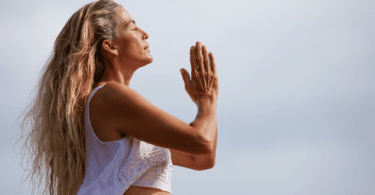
(296, 109)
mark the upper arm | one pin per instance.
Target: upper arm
(131, 113)
(190, 161)
(181, 159)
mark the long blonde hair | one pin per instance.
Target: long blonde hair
(55, 138)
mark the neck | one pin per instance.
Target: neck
(116, 73)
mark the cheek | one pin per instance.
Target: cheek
(131, 46)
(131, 52)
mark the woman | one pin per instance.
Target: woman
(92, 133)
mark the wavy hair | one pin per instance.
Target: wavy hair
(55, 137)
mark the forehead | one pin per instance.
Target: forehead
(125, 16)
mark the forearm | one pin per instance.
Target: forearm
(206, 122)
(206, 161)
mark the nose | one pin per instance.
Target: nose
(145, 35)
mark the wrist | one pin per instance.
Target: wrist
(207, 101)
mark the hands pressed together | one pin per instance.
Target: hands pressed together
(204, 81)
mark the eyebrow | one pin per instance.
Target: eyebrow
(129, 23)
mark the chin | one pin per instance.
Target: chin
(149, 60)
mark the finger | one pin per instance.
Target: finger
(185, 76)
(199, 56)
(206, 62)
(198, 53)
(213, 63)
(211, 82)
(193, 61)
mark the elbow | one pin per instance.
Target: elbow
(211, 163)
(208, 165)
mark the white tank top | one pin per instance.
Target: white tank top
(112, 167)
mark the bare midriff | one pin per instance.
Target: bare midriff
(136, 190)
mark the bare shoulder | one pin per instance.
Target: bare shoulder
(100, 116)
(112, 97)
(120, 100)
(112, 91)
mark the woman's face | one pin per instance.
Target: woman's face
(131, 42)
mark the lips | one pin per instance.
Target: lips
(146, 47)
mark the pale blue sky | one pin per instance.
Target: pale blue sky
(296, 109)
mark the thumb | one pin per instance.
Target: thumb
(185, 76)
